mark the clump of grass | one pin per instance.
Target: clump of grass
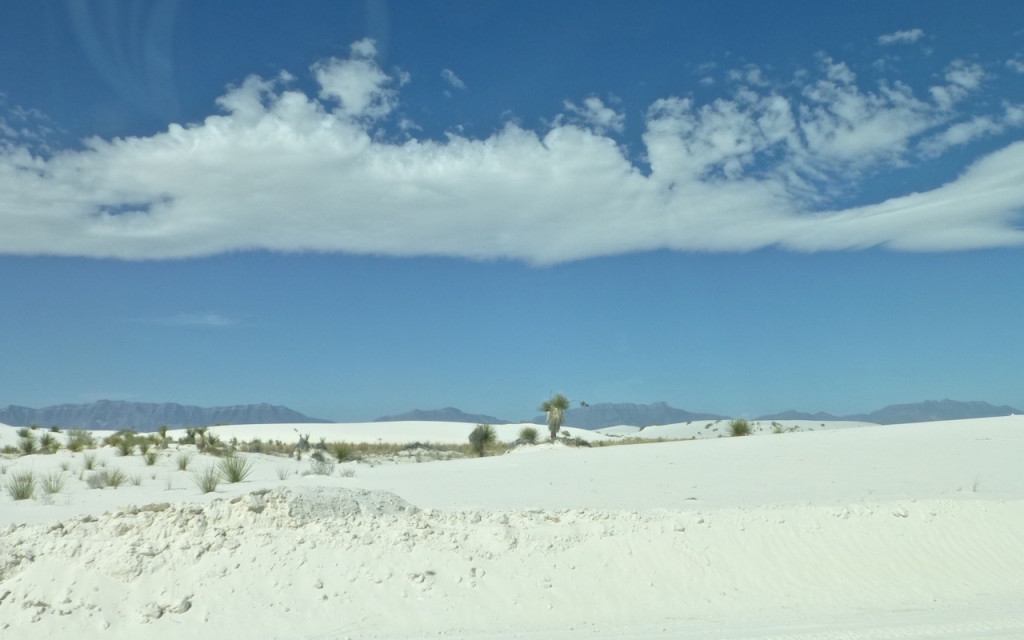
(207, 480)
(151, 457)
(48, 443)
(321, 467)
(183, 460)
(97, 480)
(739, 428)
(136, 480)
(346, 472)
(89, 461)
(53, 483)
(235, 468)
(528, 435)
(341, 451)
(55, 429)
(79, 439)
(482, 436)
(24, 432)
(112, 478)
(28, 444)
(125, 446)
(282, 472)
(21, 486)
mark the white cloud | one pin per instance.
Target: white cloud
(1016, 64)
(962, 78)
(455, 81)
(357, 83)
(901, 37)
(595, 114)
(960, 134)
(282, 170)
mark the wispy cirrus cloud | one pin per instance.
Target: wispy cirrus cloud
(901, 37)
(282, 170)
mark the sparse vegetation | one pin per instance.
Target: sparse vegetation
(555, 407)
(28, 444)
(89, 461)
(481, 437)
(235, 468)
(183, 460)
(321, 467)
(21, 486)
(528, 435)
(207, 480)
(53, 483)
(48, 443)
(282, 472)
(151, 457)
(79, 439)
(341, 451)
(739, 428)
(112, 478)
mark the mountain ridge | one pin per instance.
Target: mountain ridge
(149, 416)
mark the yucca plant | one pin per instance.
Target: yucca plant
(235, 468)
(53, 483)
(28, 445)
(555, 407)
(208, 480)
(89, 461)
(183, 460)
(21, 486)
(482, 436)
(739, 428)
(151, 457)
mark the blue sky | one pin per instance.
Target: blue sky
(356, 209)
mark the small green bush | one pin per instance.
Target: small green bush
(28, 445)
(48, 443)
(235, 469)
(151, 457)
(21, 486)
(183, 459)
(79, 439)
(739, 428)
(89, 461)
(207, 480)
(482, 436)
(125, 446)
(528, 435)
(24, 432)
(342, 451)
(53, 483)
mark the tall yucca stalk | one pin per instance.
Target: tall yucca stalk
(555, 407)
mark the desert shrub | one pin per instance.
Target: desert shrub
(739, 428)
(89, 461)
(347, 472)
(321, 467)
(48, 443)
(480, 437)
(207, 480)
(254, 446)
(342, 451)
(136, 480)
(116, 478)
(53, 482)
(125, 446)
(21, 486)
(10, 449)
(235, 468)
(318, 456)
(55, 429)
(528, 435)
(144, 444)
(282, 472)
(97, 480)
(183, 459)
(151, 457)
(24, 432)
(555, 408)
(79, 439)
(577, 441)
(28, 445)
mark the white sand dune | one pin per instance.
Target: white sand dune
(860, 532)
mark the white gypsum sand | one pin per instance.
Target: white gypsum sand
(900, 531)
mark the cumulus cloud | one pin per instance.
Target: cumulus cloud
(901, 37)
(595, 114)
(284, 170)
(455, 81)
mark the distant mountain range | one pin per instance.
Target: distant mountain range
(447, 414)
(147, 416)
(927, 411)
(610, 414)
